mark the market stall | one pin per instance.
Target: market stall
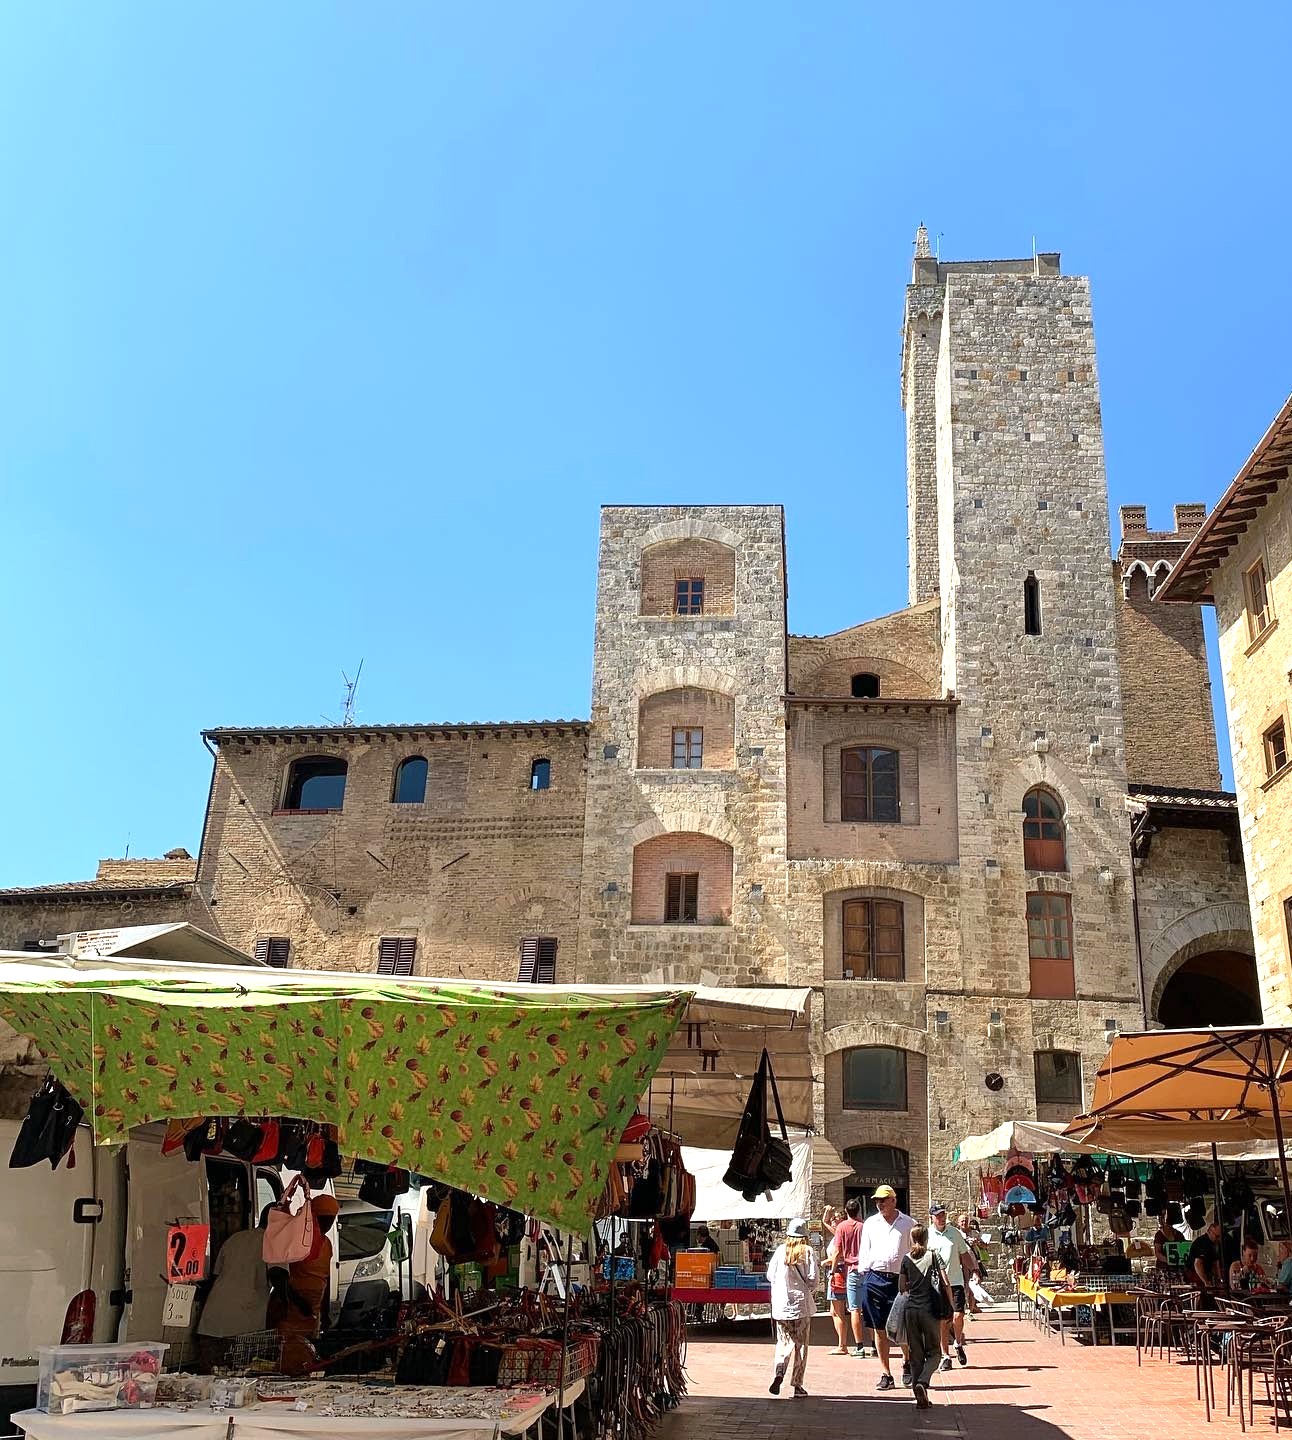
(513, 1097)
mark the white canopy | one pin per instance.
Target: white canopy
(815, 1162)
(1044, 1137)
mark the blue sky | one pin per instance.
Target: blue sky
(325, 329)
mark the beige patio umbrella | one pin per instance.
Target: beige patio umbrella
(1163, 1088)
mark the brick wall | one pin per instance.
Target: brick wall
(924, 737)
(482, 863)
(693, 558)
(147, 872)
(686, 708)
(655, 860)
(905, 1129)
(1258, 691)
(902, 649)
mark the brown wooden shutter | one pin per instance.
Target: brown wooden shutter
(537, 960)
(274, 950)
(395, 954)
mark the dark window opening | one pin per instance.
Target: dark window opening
(317, 784)
(874, 1078)
(874, 1165)
(1049, 946)
(1031, 604)
(688, 596)
(688, 749)
(681, 899)
(395, 954)
(537, 960)
(868, 788)
(1276, 748)
(410, 782)
(274, 950)
(873, 940)
(1058, 1083)
(1044, 846)
(865, 686)
(540, 775)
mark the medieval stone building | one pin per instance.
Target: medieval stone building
(987, 828)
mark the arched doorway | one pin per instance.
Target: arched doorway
(1218, 987)
(877, 1165)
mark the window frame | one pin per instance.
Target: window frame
(537, 960)
(540, 769)
(1072, 1059)
(1259, 617)
(679, 896)
(1052, 977)
(867, 775)
(269, 946)
(1040, 850)
(397, 955)
(856, 685)
(1274, 742)
(290, 785)
(400, 770)
(693, 747)
(694, 592)
(884, 1106)
(866, 965)
(1033, 621)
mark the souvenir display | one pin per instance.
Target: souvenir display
(98, 1377)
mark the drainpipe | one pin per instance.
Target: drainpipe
(1139, 949)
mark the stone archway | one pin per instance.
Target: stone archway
(1222, 930)
(1214, 987)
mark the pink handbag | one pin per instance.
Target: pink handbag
(289, 1236)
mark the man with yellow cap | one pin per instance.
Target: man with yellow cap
(885, 1240)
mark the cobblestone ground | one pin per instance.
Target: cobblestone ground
(1019, 1385)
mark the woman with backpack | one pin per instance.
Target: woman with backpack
(928, 1303)
(792, 1271)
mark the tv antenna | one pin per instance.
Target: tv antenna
(348, 706)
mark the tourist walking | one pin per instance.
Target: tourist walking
(955, 1255)
(843, 1250)
(792, 1271)
(885, 1239)
(928, 1299)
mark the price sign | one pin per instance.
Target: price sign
(177, 1312)
(186, 1253)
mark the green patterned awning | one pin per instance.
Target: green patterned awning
(515, 1093)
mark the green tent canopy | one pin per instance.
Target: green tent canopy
(515, 1093)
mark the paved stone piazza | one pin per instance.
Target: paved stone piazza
(1019, 1385)
(747, 806)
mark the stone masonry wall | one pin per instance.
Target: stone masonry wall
(482, 863)
(1258, 691)
(922, 337)
(45, 917)
(741, 656)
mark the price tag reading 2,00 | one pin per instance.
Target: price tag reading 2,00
(186, 1247)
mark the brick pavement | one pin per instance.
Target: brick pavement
(1019, 1385)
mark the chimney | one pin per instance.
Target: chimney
(1134, 520)
(1190, 517)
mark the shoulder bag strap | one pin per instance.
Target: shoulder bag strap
(780, 1117)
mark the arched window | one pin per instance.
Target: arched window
(316, 784)
(1031, 604)
(868, 788)
(540, 775)
(865, 686)
(1044, 846)
(410, 782)
(874, 1078)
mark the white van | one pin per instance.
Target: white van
(82, 1251)
(369, 1278)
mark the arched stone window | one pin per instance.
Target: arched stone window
(688, 579)
(1044, 841)
(315, 784)
(865, 686)
(410, 781)
(682, 879)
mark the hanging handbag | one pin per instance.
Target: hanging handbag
(289, 1236)
(48, 1128)
(778, 1159)
(752, 1138)
(243, 1139)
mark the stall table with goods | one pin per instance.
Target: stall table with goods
(513, 1097)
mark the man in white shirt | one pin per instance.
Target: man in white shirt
(950, 1246)
(885, 1240)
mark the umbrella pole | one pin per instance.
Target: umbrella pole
(1278, 1130)
(565, 1340)
(1215, 1189)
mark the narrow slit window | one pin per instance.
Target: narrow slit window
(1031, 604)
(681, 899)
(688, 748)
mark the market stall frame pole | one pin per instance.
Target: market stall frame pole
(1278, 1128)
(565, 1340)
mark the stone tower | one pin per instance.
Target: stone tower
(685, 813)
(1000, 365)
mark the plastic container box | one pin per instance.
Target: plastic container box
(98, 1377)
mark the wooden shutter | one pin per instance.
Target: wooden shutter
(537, 960)
(395, 954)
(888, 960)
(274, 950)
